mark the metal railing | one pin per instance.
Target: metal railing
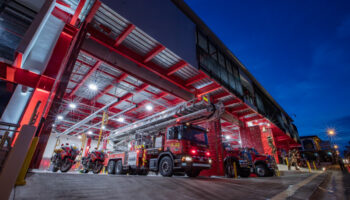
(7, 134)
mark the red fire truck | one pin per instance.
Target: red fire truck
(168, 142)
(248, 160)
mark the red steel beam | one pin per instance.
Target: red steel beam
(238, 108)
(233, 101)
(176, 67)
(195, 79)
(209, 88)
(153, 53)
(252, 118)
(219, 96)
(106, 89)
(128, 95)
(25, 77)
(77, 12)
(125, 81)
(92, 70)
(124, 34)
(93, 11)
(101, 38)
(248, 112)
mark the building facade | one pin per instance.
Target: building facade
(135, 53)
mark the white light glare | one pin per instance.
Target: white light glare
(90, 132)
(120, 119)
(72, 105)
(149, 107)
(103, 127)
(79, 137)
(227, 137)
(59, 117)
(93, 87)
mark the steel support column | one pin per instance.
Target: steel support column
(64, 60)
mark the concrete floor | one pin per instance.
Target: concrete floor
(90, 186)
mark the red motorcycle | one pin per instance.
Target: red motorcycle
(64, 158)
(93, 161)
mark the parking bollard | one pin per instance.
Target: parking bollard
(235, 169)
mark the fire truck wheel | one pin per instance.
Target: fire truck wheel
(244, 172)
(166, 166)
(119, 167)
(193, 173)
(261, 170)
(111, 167)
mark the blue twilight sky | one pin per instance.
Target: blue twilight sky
(298, 50)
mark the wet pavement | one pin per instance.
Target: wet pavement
(90, 186)
(336, 186)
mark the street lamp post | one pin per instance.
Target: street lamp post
(331, 133)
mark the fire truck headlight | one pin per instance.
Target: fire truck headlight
(187, 159)
(210, 161)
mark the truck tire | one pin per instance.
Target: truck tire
(119, 167)
(193, 173)
(111, 167)
(244, 172)
(166, 166)
(261, 170)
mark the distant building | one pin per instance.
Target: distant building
(313, 148)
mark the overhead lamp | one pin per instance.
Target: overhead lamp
(331, 132)
(149, 107)
(73, 105)
(89, 132)
(120, 119)
(79, 137)
(227, 137)
(103, 127)
(59, 117)
(93, 86)
(53, 125)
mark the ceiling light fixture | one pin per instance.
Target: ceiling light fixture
(120, 119)
(59, 117)
(93, 87)
(72, 105)
(149, 107)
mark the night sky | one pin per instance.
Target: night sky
(298, 50)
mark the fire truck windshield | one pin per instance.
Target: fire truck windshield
(195, 135)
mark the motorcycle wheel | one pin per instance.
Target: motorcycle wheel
(66, 165)
(98, 167)
(54, 168)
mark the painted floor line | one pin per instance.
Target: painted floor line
(293, 188)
